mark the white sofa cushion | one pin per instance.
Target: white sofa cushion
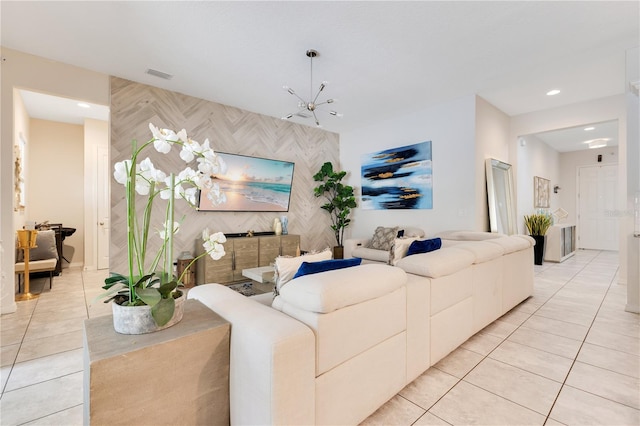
(347, 332)
(483, 251)
(469, 235)
(332, 290)
(286, 267)
(437, 263)
(511, 244)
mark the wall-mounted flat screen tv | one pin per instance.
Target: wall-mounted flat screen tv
(250, 184)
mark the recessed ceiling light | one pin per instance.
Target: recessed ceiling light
(553, 92)
(84, 105)
(588, 129)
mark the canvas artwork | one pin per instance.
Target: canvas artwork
(250, 184)
(540, 192)
(398, 178)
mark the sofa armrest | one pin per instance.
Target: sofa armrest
(353, 243)
(272, 360)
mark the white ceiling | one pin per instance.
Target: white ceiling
(577, 138)
(55, 108)
(381, 58)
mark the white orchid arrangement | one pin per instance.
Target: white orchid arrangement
(144, 285)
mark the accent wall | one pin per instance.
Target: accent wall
(231, 130)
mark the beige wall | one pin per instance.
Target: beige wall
(492, 141)
(230, 130)
(56, 181)
(21, 129)
(23, 71)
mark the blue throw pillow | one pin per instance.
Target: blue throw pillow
(424, 246)
(308, 268)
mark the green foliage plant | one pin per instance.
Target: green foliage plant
(537, 224)
(340, 198)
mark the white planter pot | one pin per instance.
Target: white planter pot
(138, 319)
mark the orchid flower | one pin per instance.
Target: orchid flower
(143, 178)
(213, 244)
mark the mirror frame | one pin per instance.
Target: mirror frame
(508, 208)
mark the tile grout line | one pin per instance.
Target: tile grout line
(582, 343)
(505, 339)
(13, 363)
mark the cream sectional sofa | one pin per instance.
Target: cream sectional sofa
(334, 346)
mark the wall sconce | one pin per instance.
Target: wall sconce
(556, 189)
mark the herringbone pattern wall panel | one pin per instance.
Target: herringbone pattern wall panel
(229, 129)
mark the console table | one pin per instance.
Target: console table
(179, 375)
(244, 253)
(561, 242)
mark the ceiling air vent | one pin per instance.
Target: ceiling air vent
(160, 74)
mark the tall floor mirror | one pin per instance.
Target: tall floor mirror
(501, 197)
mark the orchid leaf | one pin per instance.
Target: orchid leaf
(166, 289)
(150, 296)
(163, 311)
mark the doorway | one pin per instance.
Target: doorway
(598, 225)
(91, 147)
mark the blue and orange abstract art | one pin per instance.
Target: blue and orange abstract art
(398, 178)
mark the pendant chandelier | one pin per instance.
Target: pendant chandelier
(309, 108)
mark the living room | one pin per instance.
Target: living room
(465, 129)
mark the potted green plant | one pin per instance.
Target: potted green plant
(537, 226)
(147, 297)
(340, 200)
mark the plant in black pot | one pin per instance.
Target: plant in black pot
(537, 225)
(340, 201)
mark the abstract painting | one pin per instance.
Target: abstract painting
(398, 178)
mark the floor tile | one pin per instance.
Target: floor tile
(38, 331)
(482, 343)
(561, 313)
(628, 344)
(429, 419)
(610, 359)
(557, 327)
(576, 407)
(429, 387)
(499, 328)
(13, 336)
(527, 389)
(397, 411)
(45, 346)
(467, 404)
(40, 400)
(32, 372)
(605, 383)
(514, 317)
(558, 345)
(8, 354)
(459, 362)
(69, 417)
(533, 360)
(4, 376)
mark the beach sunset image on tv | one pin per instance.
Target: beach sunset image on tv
(250, 184)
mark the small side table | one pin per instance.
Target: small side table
(179, 375)
(262, 274)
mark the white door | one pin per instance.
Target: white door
(597, 219)
(103, 176)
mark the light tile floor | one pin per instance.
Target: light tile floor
(568, 355)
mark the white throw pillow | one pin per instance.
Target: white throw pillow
(286, 267)
(400, 248)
